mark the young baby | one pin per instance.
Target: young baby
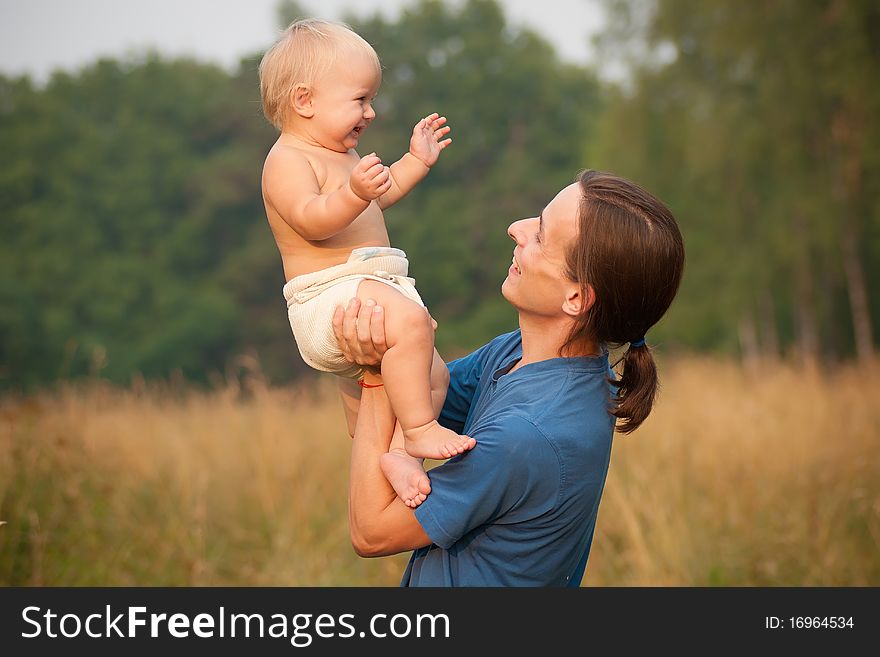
(324, 205)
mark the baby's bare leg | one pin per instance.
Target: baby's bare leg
(406, 473)
(406, 370)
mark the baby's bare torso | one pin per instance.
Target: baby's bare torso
(301, 256)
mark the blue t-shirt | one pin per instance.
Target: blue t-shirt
(518, 509)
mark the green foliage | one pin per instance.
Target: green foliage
(133, 237)
(757, 134)
(130, 185)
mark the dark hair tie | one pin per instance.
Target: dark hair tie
(639, 342)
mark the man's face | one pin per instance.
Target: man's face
(343, 102)
(536, 282)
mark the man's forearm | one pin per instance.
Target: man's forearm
(379, 522)
(369, 491)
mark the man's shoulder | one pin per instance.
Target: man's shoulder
(491, 353)
(561, 404)
(511, 442)
(514, 434)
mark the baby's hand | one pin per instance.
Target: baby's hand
(427, 140)
(370, 178)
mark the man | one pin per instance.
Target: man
(599, 266)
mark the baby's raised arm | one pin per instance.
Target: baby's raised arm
(292, 188)
(424, 149)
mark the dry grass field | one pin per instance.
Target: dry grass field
(737, 479)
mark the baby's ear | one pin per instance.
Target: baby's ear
(301, 100)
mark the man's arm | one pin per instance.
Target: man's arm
(379, 523)
(424, 150)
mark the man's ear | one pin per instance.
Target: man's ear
(578, 301)
(301, 100)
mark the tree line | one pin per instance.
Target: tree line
(134, 240)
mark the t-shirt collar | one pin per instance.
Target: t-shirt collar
(578, 363)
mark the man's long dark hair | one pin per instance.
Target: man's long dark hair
(630, 251)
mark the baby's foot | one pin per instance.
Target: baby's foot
(406, 476)
(431, 441)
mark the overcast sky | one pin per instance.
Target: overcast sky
(38, 36)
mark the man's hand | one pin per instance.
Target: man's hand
(360, 332)
(427, 139)
(370, 178)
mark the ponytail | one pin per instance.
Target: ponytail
(629, 251)
(636, 388)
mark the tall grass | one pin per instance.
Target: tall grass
(736, 479)
(746, 479)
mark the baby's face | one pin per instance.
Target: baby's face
(343, 102)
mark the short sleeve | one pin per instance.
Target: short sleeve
(512, 472)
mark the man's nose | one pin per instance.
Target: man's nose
(517, 232)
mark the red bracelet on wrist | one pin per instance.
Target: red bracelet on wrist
(364, 384)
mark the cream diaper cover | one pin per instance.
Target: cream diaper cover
(312, 300)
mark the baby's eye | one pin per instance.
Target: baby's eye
(538, 237)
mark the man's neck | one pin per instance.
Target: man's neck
(542, 339)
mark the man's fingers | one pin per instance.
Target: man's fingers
(377, 328)
(349, 323)
(338, 316)
(345, 327)
(363, 325)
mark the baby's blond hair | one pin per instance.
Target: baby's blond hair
(306, 50)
